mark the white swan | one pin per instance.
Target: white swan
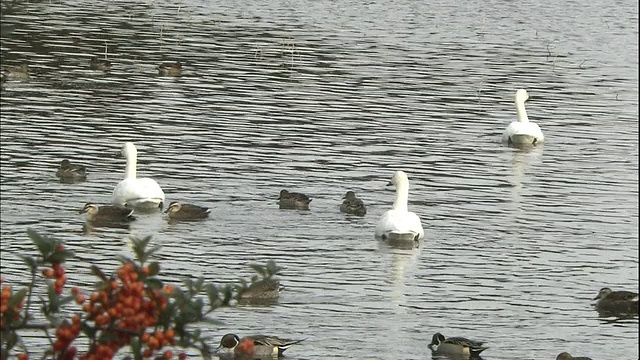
(144, 193)
(522, 132)
(399, 223)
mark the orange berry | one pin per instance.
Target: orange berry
(169, 334)
(23, 356)
(80, 299)
(145, 337)
(75, 291)
(182, 356)
(146, 271)
(58, 270)
(168, 354)
(153, 343)
(147, 353)
(168, 289)
(48, 273)
(94, 297)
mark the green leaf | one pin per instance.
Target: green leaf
(188, 283)
(123, 259)
(88, 330)
(44, 244)
(54, 303)
(272, 268)
(136, 348)
(213, 294)
(30, 261)
(17, 298)
(60, 256)
(198, 285)
(66, 299)
(152, 251)
(259, 269)
(153, 283)
(97, 272)
(139, 246)
(154, 268)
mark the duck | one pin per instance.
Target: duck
(139, 193)
(18, 72)
(620, 301)
(522, 132)
(456, 346)
(352, 205)
(256, 345)
(170, 69)
(399, 223)
(265, 289)
(567, 356)
(69, 172)
(293, 200)
(178, 211)
(107, 213)
(98, 64)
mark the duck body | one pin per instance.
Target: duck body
(107, 213)
(522, 132)
(399, 223)
(179, 211)
(256, 346)
(352, 205)
(293, 200)
(170, 69)
(99, 64)
(456, 346)
(69, 172)
(567, 356)
(617, 301)
(18, 72)
(133, 192)
(265, 289)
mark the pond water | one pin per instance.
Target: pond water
(328, 96)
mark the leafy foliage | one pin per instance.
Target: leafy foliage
(130, 308)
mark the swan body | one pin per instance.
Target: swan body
(399, 223)
(143, 193)
(522, 132)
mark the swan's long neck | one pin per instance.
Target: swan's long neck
(132, 163)
(402, 197)
(522, 113)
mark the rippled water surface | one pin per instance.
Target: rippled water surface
(328, 96)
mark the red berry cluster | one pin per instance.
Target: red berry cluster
(56, 271)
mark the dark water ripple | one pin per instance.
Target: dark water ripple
(332, 96)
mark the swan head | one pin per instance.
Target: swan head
(521, 96)
(399, 178)
(128, 149)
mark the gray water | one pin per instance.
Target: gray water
(328, 96)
